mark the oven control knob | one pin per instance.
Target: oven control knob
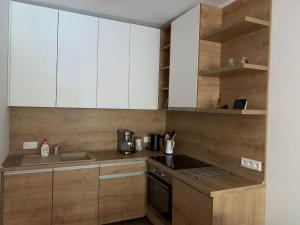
(162, 174)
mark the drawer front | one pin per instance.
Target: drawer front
(122, 198)
(190, 207)
(27, 197)
(122, 168)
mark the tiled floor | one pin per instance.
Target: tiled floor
(134, 222)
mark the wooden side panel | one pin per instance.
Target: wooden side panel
(190, 207)
(247, 208)
(122, 199)
(209, 58)
(220, 139)
(75, 197)
(79, 129)
(28, 199)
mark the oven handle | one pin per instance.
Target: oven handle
(158, 182)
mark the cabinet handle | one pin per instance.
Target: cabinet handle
(107, 177)
(76, 168)
(8, 173)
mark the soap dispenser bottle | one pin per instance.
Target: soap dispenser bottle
(45, 149)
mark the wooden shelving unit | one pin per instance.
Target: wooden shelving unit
(231, 31)
(165, 40)
(234, 111)
(243, 68)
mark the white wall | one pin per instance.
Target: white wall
(283, 150)
(4, 112)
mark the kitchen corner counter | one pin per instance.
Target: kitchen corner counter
(13, 163)
(213, 186)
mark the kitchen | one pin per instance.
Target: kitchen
(142, 113)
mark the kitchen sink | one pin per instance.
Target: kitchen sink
(31, 160)
(76, 156)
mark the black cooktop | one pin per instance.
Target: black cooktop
(178, 162)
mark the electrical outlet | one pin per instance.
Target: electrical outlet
(30, 145)
(251, 164)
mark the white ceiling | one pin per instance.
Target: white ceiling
(145, 12)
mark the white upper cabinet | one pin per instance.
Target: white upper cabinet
(33, 55)
(77, 60)
(144, 67)
(113, 61)
(184, 60)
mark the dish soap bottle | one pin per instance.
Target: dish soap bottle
(45, 149)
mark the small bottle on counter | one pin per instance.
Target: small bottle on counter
(45, 150)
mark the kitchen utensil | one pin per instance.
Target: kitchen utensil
(170, 144)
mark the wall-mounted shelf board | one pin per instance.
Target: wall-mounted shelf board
(230, 31)
(234, 111)
(166, 47)
(240, 69)
(165, 68)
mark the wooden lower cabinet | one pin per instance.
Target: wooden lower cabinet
(122, 195)
(75, 195)
(27, 197)
(240, 207)
(190, 207)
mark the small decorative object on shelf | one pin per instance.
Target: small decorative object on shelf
(244, 59)
(240, 104)
(166, 104)
(231, 62)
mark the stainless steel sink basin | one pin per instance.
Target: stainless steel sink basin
(31, 160)
(76, 156)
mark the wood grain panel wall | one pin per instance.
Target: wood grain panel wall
(220, 139)
(210, 58)
(79, 129)
(259, 9)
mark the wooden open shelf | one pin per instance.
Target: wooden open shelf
(234, 111)
(165, 68)
(164, 89)
(243, 68)
(230, 31)
(166, 47)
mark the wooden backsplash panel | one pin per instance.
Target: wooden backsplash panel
(220, 139)
(252, 87)
(84, 129)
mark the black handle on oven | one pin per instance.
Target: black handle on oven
(152, 177)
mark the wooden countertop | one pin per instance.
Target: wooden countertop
(210, 186)
(13, 163)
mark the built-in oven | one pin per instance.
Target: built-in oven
(160, 194)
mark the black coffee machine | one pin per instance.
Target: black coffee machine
(157, 142)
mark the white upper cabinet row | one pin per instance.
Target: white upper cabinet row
(64, 59)
(184, 60)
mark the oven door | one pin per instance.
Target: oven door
(160, 197)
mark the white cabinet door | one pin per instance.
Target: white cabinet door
(184, 60)
(144, 67)
(33, 55)
(113, 64)
(77, 60)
